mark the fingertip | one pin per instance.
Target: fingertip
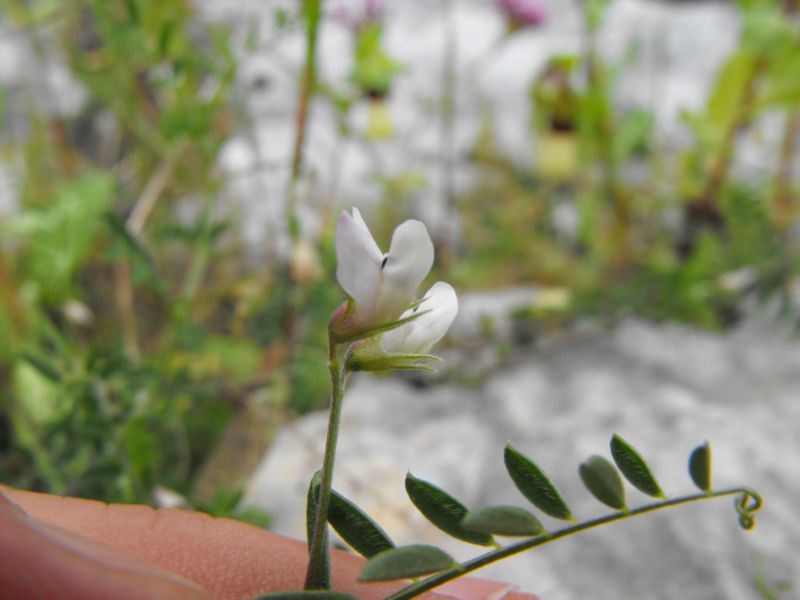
(40, 562)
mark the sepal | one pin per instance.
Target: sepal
(369, 356)
(345, 327)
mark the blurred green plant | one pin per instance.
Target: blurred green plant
(130, 342)
(684, 236)
(133, 344)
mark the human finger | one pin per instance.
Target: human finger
(38, 561)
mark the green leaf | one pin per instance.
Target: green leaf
(534, 484)
(356, 528)
(324, 573)
(700, 467)
(634, 467)
(130, 242)
(603, 481)
(631, 134)
(503, 520)
(43, 366)
(311, 504)
(725, 99)
(444, 511)
(60, 237)
(405, 562)
(307, 595)
(595, 11)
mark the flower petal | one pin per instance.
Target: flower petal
(417, 336)
(409, 259)
(358, 259)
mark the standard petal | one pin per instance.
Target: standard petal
(409, 259)
(358, 259)
(417, 336)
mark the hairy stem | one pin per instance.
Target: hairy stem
(476, 563)
(318, 574)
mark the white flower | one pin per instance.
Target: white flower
(382, 285)
(418, 335)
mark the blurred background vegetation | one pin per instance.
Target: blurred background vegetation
(142, 353)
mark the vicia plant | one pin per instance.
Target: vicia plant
(384, 326)
(381, 326)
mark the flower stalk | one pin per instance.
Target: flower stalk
(318, 573)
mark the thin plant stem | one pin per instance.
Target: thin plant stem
(294, 297)
(476, 563)
(602, 131)
(447, 140)
(783, 201)
(124, 295)
(123, 284)
(318, 574)
(720, 169)
(308, 84)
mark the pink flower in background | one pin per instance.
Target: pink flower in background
(522, 13)
(373, 9)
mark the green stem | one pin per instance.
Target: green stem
(445, 247)
(602, 132)
(312, 11)
(308, 84)
(318, 574)
(438, 579)
(720, 169)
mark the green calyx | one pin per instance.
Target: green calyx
(372, 359)
(344, 328)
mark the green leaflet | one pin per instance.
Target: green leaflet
(634, 467)
(700, 467)
(356, 527)
(603, 481)
(405, 562)
(503, 520)
(444, 511)
(534, 484)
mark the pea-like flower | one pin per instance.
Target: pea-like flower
(406, 346)
(381, 286)
(436, 313)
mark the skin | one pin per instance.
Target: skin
(69, 548)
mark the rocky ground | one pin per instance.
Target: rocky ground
(664, 388)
